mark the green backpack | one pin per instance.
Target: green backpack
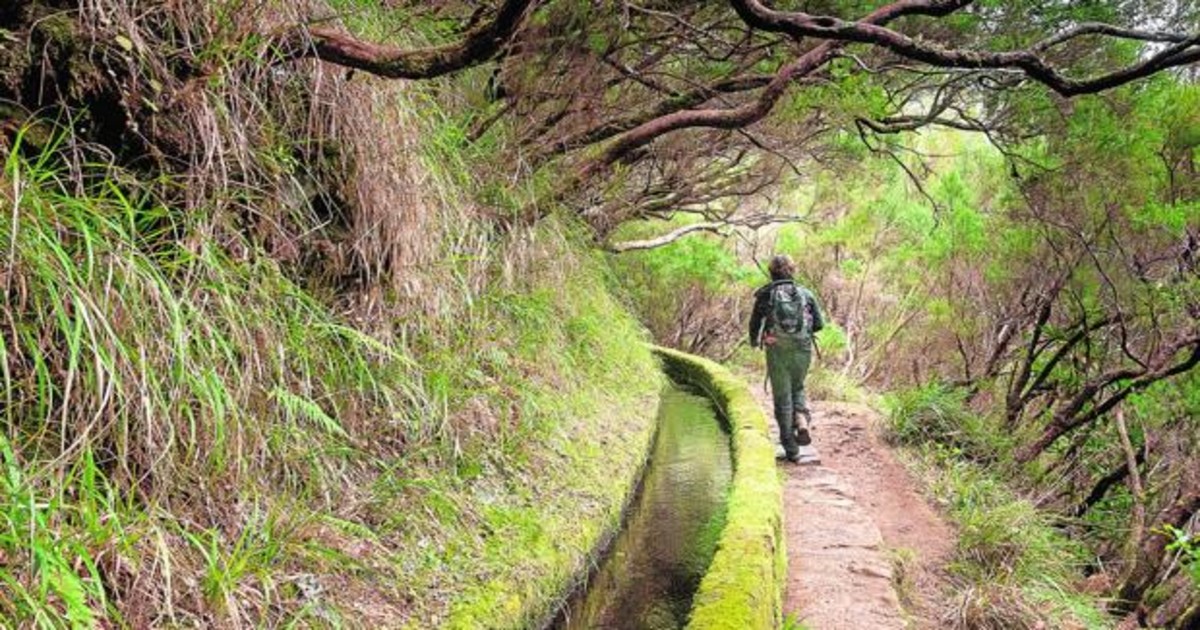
(790, 314)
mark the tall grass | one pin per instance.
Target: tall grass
(189, 436)
(1013, 566)
(138, 353)
(290, 373)
(121, 318)
(937, 414)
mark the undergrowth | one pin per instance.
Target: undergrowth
(1013, 566)
(146, 370)
(935, 413)
(189, 436)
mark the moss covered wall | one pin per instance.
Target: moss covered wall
(744, 584)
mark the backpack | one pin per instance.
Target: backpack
(790, 313)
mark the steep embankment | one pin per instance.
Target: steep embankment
(268, 357)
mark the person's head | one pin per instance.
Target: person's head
(781, 268)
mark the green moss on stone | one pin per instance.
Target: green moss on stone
(743, 588)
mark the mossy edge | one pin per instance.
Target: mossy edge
(743, 588)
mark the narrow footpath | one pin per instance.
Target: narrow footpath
(865, 550)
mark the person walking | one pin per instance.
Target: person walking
(784, 320)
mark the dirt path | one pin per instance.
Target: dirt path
(860, 538)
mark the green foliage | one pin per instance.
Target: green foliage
(63, 588)
(696, 260)
(826, 383)
(832, 340)
(1003, 539)
(1013, 567)
(1188, 547)
(1172, 218)
(256, 552)
(687, 288)
(935, 414)
(156, 381)
(401, 28)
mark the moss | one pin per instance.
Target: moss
(744, 584)
(541, 548)
(596, 433)
(14, 63)
(58, 29)
(1157, 595)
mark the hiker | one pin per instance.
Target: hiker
(783, 323)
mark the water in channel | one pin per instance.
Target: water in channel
(648, 577)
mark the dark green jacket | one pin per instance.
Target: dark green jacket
(760, 317)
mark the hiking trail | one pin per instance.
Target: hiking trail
(865, 550)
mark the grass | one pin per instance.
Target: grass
(935, 413)
(189, 436)
(904, 561)
(142, 360)
(1013, 567)
(825, 383)
(298, 378)
(1188, 548)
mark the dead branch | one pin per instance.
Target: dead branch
(716, 227)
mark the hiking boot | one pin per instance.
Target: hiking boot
(781, 455)
(800, 427)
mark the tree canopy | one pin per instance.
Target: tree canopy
(682, 104)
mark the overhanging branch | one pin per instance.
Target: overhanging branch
(715, 227)
(480, 44)
(1184, 48)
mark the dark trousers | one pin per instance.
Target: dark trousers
(788, 360)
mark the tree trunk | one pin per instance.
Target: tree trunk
(1180, 609)
(1152, 550)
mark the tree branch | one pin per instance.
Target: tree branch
(675, 103)
(1185, 49)
(1138, 518)
(871, 30)
(1072, 415)
(1097, 28)
(753, 223)
(480, 44)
